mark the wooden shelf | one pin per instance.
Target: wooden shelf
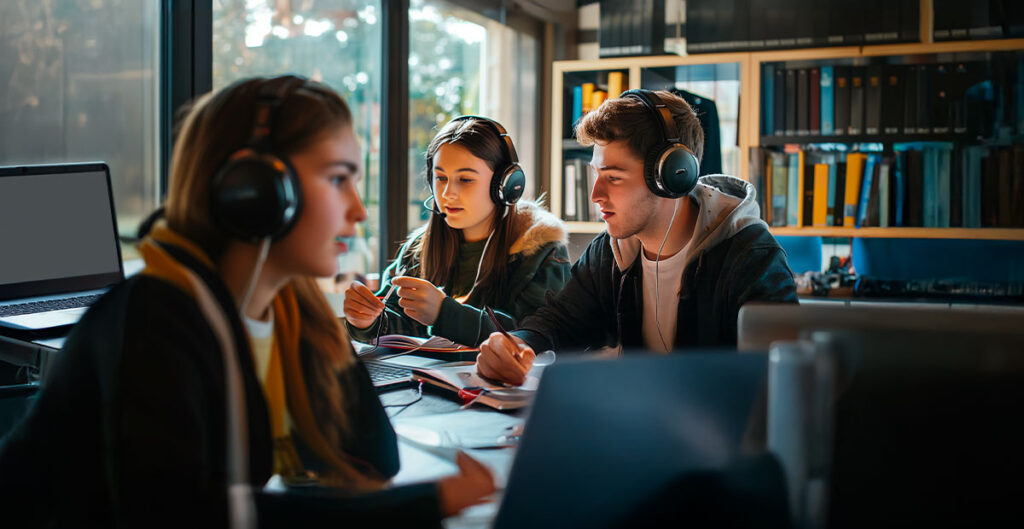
(1004, 234)
(584, 227)
(749, 134)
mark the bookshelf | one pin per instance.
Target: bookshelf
(657, 72)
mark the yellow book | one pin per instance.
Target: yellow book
(614, 84)
(854, 172)
(597, 98)
(588, 92)
(802, 186)
(820, 211)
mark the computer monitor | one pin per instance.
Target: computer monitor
(760, 324)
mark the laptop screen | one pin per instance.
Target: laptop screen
(57, 230)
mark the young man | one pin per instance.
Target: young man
(680, 256)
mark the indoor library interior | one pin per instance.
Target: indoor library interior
(398, 263)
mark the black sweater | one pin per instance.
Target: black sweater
(129, 428)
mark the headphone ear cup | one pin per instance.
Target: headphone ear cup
(255, 196)
(509, 188)
(651, 174)
(680, 171)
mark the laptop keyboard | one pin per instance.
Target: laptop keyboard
(381, 373)
(48, 306)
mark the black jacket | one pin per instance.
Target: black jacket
(129, 428)
(602, 304)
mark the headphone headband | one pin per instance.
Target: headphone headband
(510, 149)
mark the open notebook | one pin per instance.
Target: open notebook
(462, 378)
(399, 344)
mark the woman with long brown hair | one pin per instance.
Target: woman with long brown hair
(483, 247)
(185, 388)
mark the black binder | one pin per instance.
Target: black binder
(873, 100)
(842, 100)
(803, 104)
(892, 99)
(857, 100)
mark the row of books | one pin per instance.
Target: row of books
(631, 28)
(754, 25)
(977, 19)
(588, 96)
(923, 184)
(577, 181)
(970, 98)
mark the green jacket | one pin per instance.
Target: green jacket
(538, 264)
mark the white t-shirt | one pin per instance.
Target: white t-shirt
(661, 308)
(261, 338)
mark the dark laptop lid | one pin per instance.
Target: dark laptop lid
(604, 436)
(58, 230)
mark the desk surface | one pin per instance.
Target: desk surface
(438, 412)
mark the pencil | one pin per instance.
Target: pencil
(504, 333)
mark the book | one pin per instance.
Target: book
(569, 191)
(779, 188)
(857, 76)
(865, 190)
(839, 192)
(830, 200)
(791, 110)
(803, 123)
(942, 187)
(941, 86)
(779, 111)
(794, 200)
(388, 344)
(842, 100)
(463, 379)
(873, 100)
(614, 84)
(854, 173)
(892, 99)
(588, 97)
(884, 192)
(827, 120)
(820, 214)
(814, 88)
(577, 104)
(768, 99)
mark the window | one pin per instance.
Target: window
(81, 84)
(461, 62)
(337, 42)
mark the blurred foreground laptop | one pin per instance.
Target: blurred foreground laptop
(607, 440)
(58, 236)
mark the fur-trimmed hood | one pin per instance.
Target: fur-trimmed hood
(537, 227)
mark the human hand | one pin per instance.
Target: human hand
(470, 486)
(420, 299)
(361, 307)
(504, 358)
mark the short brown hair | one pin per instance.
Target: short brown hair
(626, 118)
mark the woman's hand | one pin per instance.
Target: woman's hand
(420, 298)
(470, 486)
(361, 307)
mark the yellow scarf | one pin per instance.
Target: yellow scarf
(285, 384)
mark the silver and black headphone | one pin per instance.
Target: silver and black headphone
(508, 182)
(256, 194)
(670, 168)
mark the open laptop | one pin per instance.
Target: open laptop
(58, 237)
(604, 437)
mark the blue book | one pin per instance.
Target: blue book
(794, 191)
(930, 197)
(942, 191)
(577, 104)
(768, 99)
(827, 123)
(899, 188)
(865, 189)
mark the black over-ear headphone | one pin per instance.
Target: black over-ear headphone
(256, 194)
(508, 182)
(670, 168)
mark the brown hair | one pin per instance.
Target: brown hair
(438, 248)
(626, 118)
(220, 124)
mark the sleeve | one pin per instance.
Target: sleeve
(393, 320)
(580, 314)
(764, 277)
(469, 325)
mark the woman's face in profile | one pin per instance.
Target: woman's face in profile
(329, 171)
